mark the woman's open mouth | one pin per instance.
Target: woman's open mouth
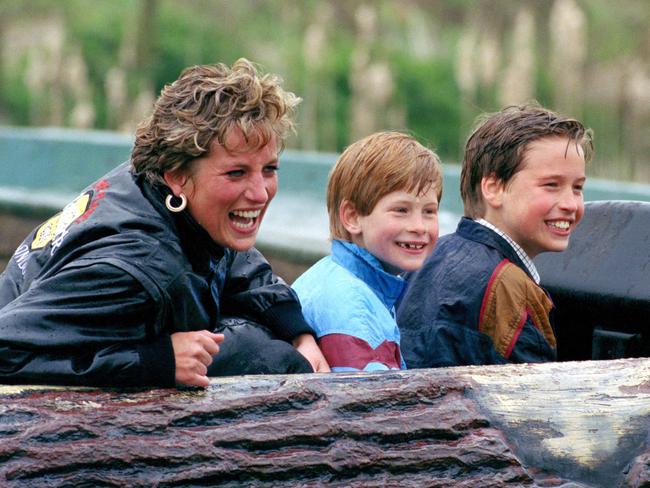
(244, 219)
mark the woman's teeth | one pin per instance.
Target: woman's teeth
(244, 219)
(244, 225)
(247, 214)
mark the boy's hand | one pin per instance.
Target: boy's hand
(306, 345)
(193, 353)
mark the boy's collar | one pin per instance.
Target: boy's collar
(362, 264)
(517, 248)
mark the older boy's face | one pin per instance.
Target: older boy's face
(401, 230)
(542, 203)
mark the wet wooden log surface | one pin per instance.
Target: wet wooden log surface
(560, 424)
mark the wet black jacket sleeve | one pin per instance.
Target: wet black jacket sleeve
(91, 323)
(253, 290)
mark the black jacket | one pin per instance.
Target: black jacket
(92, 296)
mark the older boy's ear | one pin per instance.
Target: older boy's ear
(492, 190)
(349, 217)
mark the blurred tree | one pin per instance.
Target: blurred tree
(427, 66)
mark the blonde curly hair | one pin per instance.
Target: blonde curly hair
(203, 105)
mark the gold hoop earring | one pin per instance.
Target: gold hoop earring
(180, 208)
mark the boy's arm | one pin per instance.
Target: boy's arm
(531, 346)
(348, 352)
(442, 344)
(515, 315)
(357, 336)
(513, 324)
(355, 331)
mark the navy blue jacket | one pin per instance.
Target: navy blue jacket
(92, 296)
(473, 302)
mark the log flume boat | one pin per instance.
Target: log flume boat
(570, 424)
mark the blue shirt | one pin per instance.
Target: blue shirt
(349, 300)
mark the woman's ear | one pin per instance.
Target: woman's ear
(492, 189)
(176, 181)
(349, 217)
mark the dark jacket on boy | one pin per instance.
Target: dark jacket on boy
(474, 302)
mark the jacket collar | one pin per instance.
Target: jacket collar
(368, 269)
(530, 266)
(472, 230)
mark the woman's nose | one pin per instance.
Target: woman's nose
(257, 190)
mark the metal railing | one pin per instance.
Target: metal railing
(42, 169)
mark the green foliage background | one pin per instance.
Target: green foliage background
(153, 40)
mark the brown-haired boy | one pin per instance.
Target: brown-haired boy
(477, 299)
(382, 198)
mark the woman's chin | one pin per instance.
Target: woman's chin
(239, 242)
(234, 237)
(242, 247)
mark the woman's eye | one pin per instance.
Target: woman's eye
(236, 173)
(271, 169)
(400, 209)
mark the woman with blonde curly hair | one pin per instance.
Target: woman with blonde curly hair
(150, 277)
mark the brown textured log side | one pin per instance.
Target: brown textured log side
(501, 426)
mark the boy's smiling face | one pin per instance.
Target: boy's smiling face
(401, 230)
(542, 203)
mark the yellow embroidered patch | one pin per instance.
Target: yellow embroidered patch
(58, 225)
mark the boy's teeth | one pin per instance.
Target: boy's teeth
(410, 246)
(564, 225)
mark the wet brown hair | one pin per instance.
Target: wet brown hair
(202, 106)
(375, 166)
(499, 143)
